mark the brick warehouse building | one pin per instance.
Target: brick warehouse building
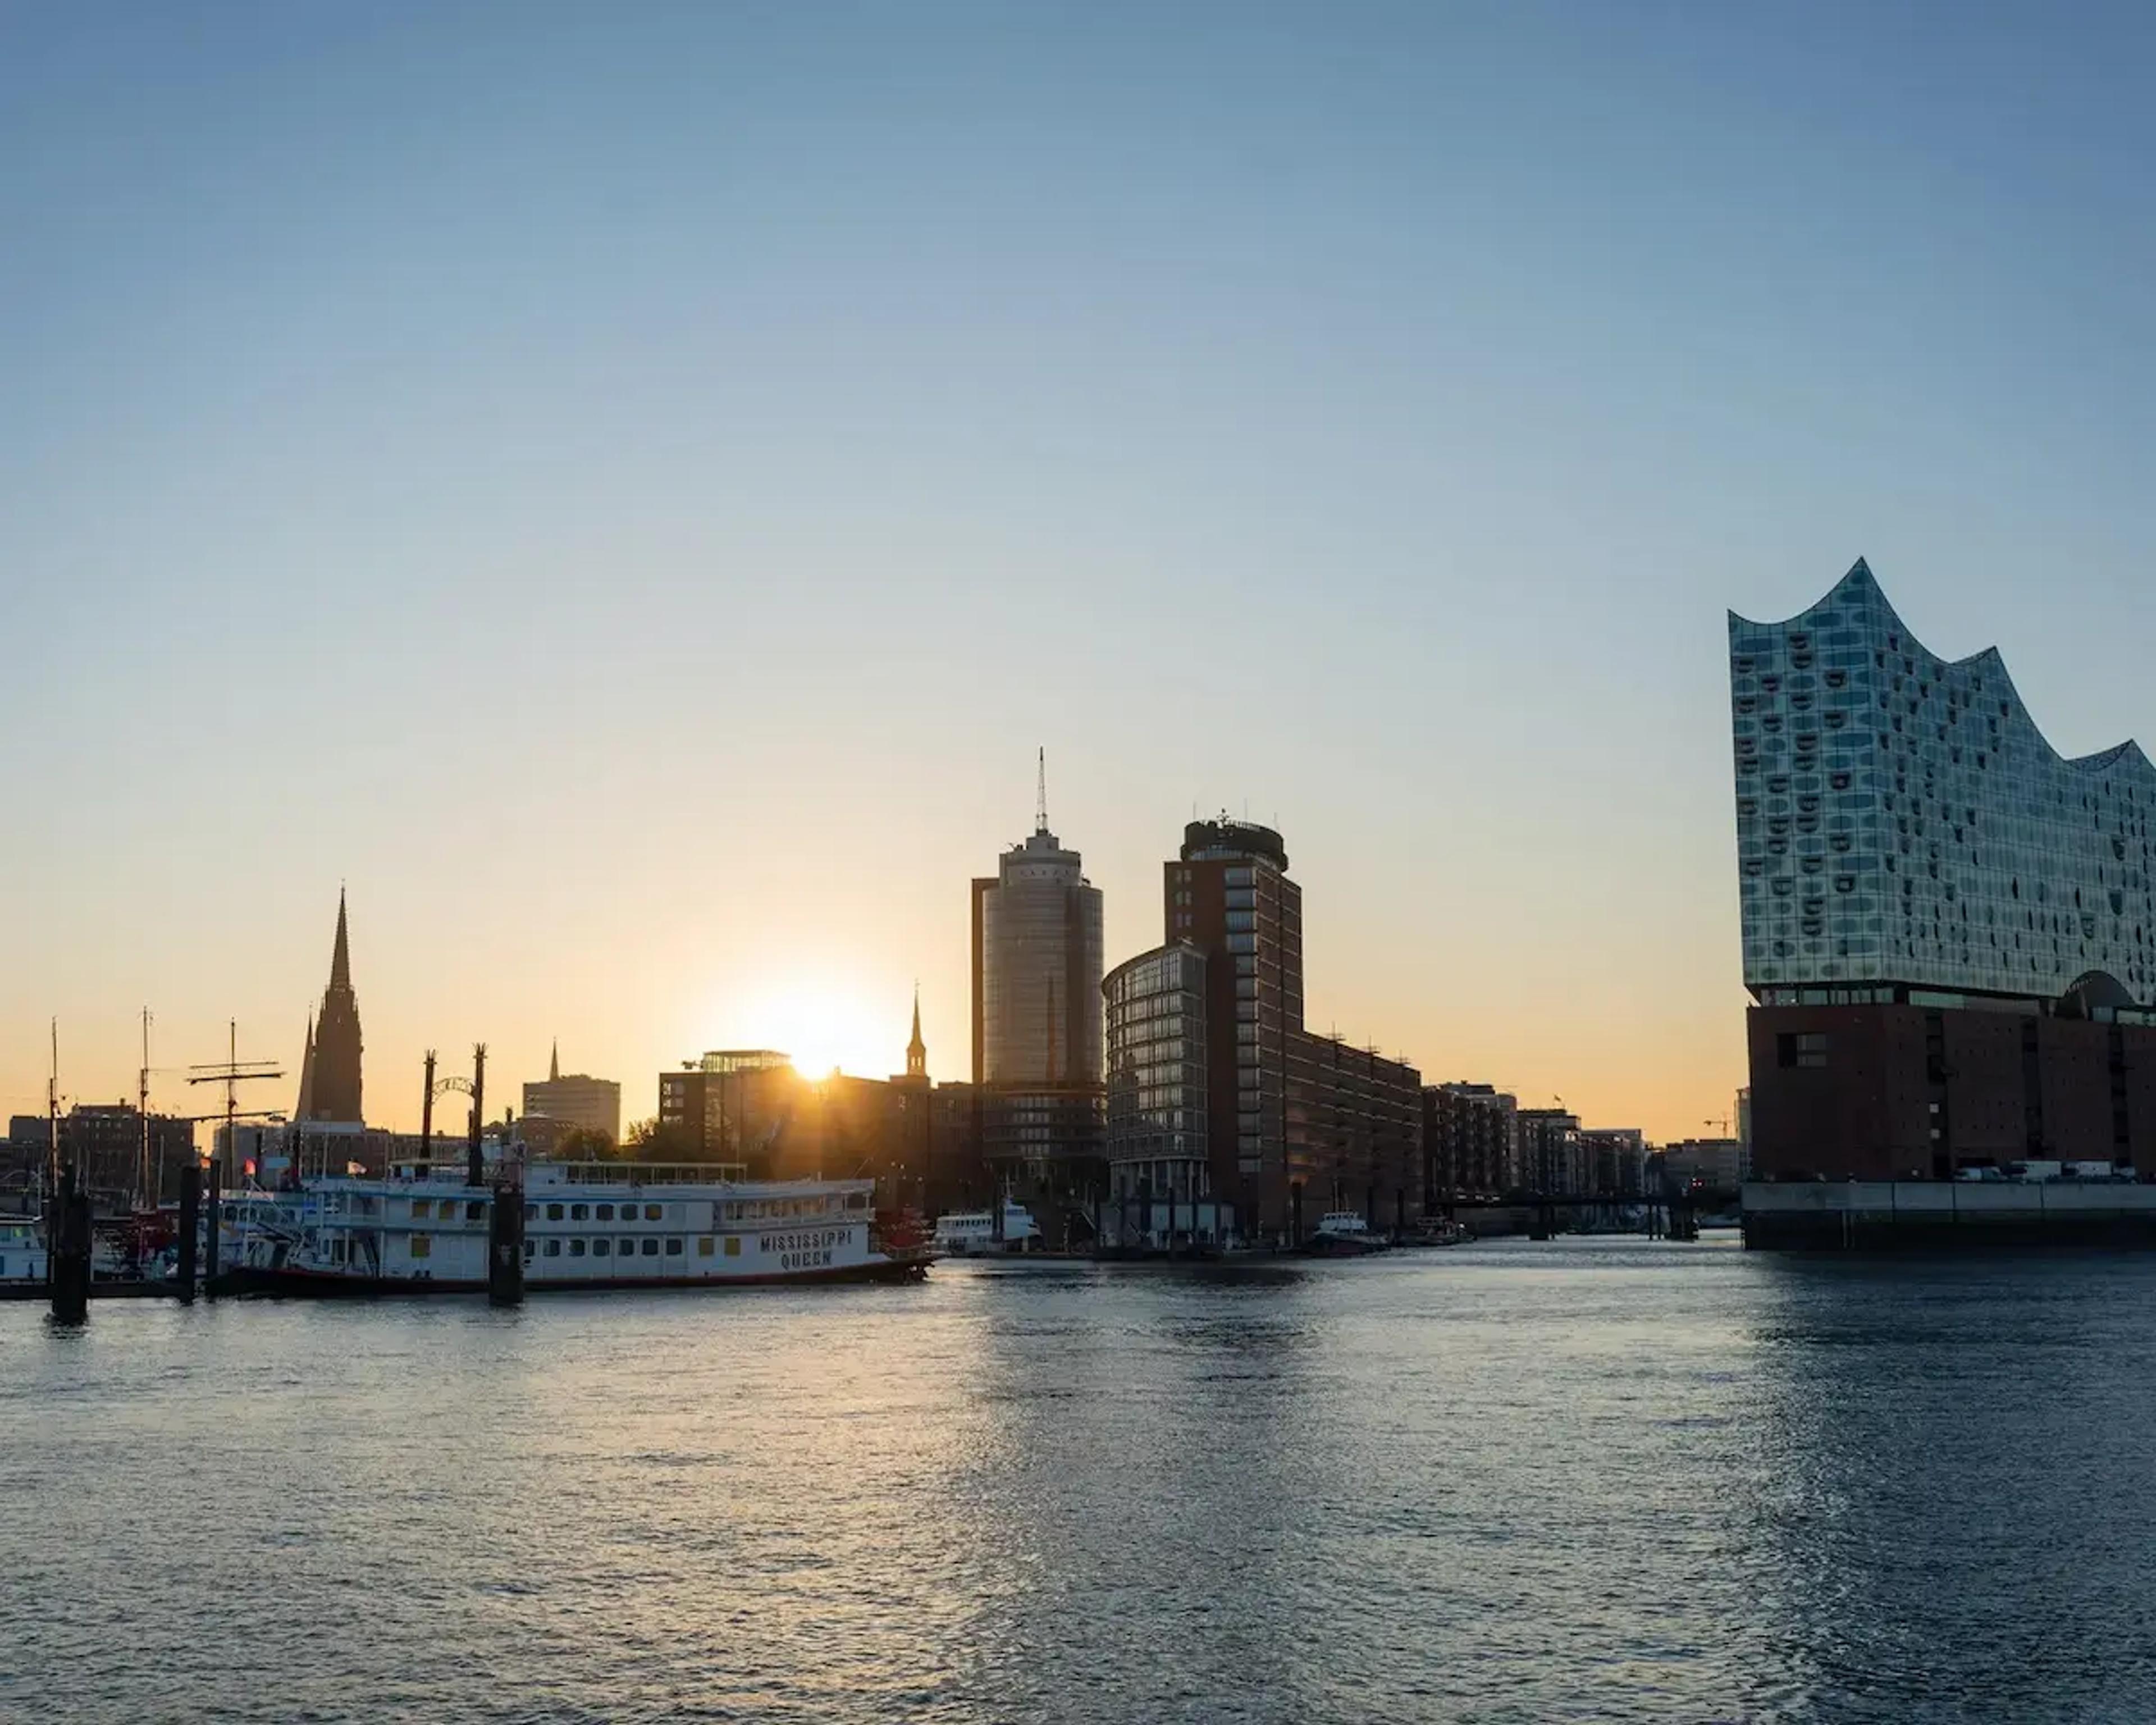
(1876, 1082)
(1949, 929)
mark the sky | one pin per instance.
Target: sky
(625, 489)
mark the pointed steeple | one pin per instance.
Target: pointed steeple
(916, 1050)
(335, 1095)
(554, 1066)
(305, 1108)
(341, 958)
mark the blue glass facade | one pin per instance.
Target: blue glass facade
(1901, 822)
(1157, 1087)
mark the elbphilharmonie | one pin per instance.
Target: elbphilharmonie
(1950, 928)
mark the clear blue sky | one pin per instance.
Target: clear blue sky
(628, 487)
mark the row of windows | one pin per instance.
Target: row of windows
(582, 1212)
(421, 1245)
(1145, 1009)
(760, 1210)
(646, 1245)
(474, 1209)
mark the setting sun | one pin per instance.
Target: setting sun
(824, 1030)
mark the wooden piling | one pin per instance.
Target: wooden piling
(505, 1259)
(68, 1252)
(215, 1206)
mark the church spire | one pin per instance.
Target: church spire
(305, 1109)
(335, 1091)
(341, 958)
(916, 1050)
(554, 1066)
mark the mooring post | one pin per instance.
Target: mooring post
(215, 1206)
(504, 1258)
(69, 1247)
(476, 1151)
(190, 1227)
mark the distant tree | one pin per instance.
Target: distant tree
(655, 1140)
(586, 1144)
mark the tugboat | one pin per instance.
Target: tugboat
(1344, 1234)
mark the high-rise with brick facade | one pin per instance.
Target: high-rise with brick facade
(1207, 1032)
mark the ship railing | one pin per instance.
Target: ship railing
(651, 1173)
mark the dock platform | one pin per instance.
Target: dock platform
(1886, 1215)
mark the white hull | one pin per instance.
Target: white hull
(586, 1227)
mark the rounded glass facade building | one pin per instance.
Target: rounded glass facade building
(1040, 968)
(1157, 1144)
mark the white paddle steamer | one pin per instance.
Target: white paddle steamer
(587, 1225)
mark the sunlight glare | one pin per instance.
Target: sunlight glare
(823, 1031)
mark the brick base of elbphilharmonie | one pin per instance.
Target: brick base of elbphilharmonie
(1915, 1092)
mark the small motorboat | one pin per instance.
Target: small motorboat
(1344, 1234)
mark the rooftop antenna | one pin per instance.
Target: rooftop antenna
(1040, 799)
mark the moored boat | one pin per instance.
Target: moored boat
(1437, 1231)
(586, 1226)
(22, 1250)
(1344, 1234)
(973, 1234)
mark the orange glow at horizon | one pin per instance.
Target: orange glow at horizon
(823, 1030)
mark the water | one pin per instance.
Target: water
(1602, 1481)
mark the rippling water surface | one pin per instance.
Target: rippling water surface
(1515, 1482)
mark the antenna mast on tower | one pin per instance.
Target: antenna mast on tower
(1040, 798)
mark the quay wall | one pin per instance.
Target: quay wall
(1891, 1214)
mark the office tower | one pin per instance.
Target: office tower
(1157, 1149)
(1037, 967)
(1227, 894)
(733, 1105)
(577, 1101)
(1037, 1025)
(1295, 1124)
